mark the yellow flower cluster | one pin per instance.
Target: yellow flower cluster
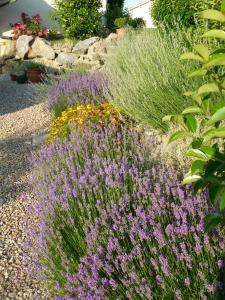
(81, 115)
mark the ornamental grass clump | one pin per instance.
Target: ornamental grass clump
(111, 225)
(79, 116)
(77, 89)
(146, 78)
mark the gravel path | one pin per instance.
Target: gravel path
(20, 118)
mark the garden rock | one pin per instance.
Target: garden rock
(23, 45)
(66, 59)
(83, 46)
(41, 48)
(7, 48)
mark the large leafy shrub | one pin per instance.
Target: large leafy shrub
(184, 12)
(146, 78)
(109, 224)
(204, 122)
(79, 18)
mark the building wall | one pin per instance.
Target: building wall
(142, 10)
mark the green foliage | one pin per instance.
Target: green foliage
(137, 23)
(182, 11)
(79, 18)
(147, 80)
(204, 122)
(121, 22)
(115, 9)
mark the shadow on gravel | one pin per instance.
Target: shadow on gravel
(14, 167)
(14, 96)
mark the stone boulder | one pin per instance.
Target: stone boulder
(66, 59)
(23, 45)
(41, 48)
(82, 47)
(7, 48)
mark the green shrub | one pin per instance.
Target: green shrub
(182, 11)
(114, 10)
(137, 23)
(121, 22)
(79, 18)
(147, 80)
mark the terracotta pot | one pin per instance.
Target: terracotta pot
(35, 75)
(121, 32)
(13, 77)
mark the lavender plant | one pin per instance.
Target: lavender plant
(110, 225)
(78, 88)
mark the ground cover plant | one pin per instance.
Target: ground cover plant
(79, 116)
(204, 122)
(76, 89)
(148, 63)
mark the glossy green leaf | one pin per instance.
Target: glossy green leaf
(216, 60)
(197, 143)
(190, 179)
(197, 153)
(214, 193)
(179, 135)
(206, 104)
(208, 88)
(218, 50)
(198, 165)
(191, 56)
(218, 116)
(213, 14)
(214, 133)
(190, 122)
(210, 151)
(215, 33)
(202, 50)
(191, 110)
(198, 73)
(213, 221)
(197, 98)
(223, 6)
(167, 118)
(222, 202)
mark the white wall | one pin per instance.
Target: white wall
(11, 13)
(142, 11)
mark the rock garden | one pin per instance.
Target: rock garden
(112, 154)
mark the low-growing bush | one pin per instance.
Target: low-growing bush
(79, 116)
(76, 89)
(146, 78)
(109, 224)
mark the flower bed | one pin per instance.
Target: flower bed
(29, 26)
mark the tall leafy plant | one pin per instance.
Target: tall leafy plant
(115, 9)
(79, 18)
(204, 123)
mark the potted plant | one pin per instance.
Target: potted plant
(34, 72)
(19, 74)
(120, 24)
